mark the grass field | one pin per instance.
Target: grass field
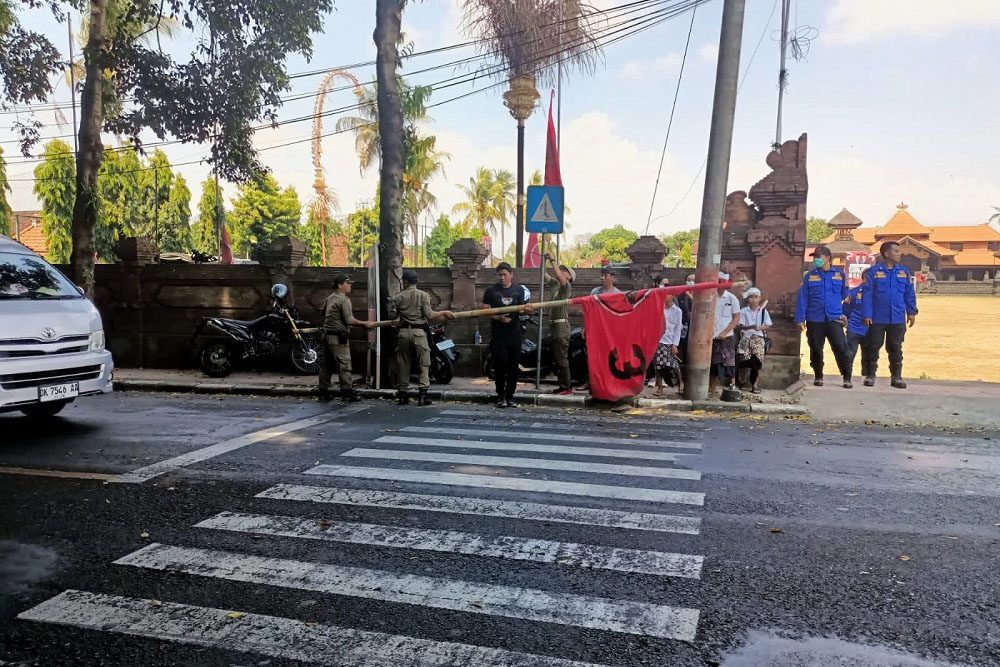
(954, 339)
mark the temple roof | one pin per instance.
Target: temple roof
(845, 219)
(965, 233)
(902, 224)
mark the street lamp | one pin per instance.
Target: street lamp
(521, 98)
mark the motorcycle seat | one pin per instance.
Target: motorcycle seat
(249, 323)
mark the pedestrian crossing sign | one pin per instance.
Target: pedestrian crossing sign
(544, 209)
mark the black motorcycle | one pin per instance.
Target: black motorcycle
(443, 355)
(276, 337)
(528, 363)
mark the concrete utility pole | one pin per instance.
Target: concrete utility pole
(713, 204)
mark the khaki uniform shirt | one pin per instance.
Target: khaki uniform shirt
(559, 293)
(412, 306)
(338, 312)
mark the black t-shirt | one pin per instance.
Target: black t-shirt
(498, 296)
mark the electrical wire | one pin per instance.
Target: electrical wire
(670, 122)
(619, 31)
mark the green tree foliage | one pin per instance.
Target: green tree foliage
(55, 187)
(479, 211)
(687, 258)
(262, 212)
(611, 243)
(5, 210)
(443, 234)
(817, 229)
(204, 236)
(310, 234)
(175, 218)
(155, 182)
(27, 62)
(362, 233)
(120, 199)
(676, 243)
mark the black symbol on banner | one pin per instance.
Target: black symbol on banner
(627, 371)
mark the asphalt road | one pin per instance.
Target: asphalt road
(204, 531)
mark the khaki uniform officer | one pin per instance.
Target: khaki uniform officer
(413, 309)
(563, 286)
(338, 318)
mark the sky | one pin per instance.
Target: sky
(900, 99)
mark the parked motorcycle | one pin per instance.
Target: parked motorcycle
(443, 355)
(528, 363)
(274, 337)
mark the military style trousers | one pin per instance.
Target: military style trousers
(854, 343)
(412, 344)
(506, 351)
(817, 333)
(560, 353)
(891, 335)
(336, 359)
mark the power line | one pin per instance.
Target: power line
(670, 122)
(646, 21)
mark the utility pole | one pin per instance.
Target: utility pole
(156, 205)
(782, 72)
(72, 86)
(714, 201)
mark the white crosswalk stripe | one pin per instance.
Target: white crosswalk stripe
(472, 544)
(487, 456)
(590, 516)
(562, 437)
(514, 462)
(630, 617)
(512, 483)
(270, 635)
(532, 447)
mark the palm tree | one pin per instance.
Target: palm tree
(423, 162)
(479, 208)
(516, 36)
(504, 200)
(996, 215)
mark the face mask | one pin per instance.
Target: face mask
(690, 282)
(818, 262)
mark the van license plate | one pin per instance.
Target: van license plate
(58, 392)
(446, 345)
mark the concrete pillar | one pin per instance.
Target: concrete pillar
(282, 258)
(646, 255)
(467, 256)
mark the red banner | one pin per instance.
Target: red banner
(226, 248)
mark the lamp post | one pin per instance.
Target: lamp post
(520, 98)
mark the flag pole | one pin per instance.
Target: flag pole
(541, 315)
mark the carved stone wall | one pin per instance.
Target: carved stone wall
(764, 240)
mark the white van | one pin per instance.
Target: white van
(51, 337)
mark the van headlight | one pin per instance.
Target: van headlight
(97, 340)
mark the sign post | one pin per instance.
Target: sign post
(545, 209)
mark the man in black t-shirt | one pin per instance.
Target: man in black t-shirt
(505, 333)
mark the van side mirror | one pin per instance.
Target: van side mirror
(80, 290)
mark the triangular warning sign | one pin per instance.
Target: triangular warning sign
(545, 212)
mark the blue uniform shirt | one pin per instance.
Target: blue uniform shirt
(821, 296)
(888, 295)
(853, 311)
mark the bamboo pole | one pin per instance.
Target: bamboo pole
(531, 307)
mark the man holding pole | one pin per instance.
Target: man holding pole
(337, 322)
(562, 285)
(412, 307)
(505, 333)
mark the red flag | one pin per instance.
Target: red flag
(532, 256)
(227, 248)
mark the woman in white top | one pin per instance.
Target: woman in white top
(665, 360)
(754, 323)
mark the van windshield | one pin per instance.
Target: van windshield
(30, 277)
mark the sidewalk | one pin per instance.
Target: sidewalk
(475, 390)
(937, 403)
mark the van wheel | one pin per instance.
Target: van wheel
(44, 410)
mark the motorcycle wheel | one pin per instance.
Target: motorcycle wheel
(216, 359)
(488, 367)
(441, 369)
(307, 356)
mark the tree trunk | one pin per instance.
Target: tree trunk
(88, 160)
(388, 20)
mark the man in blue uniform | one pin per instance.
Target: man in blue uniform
(889, 303)
(820, 313)
(856, 329)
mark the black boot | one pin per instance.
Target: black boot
(423, 400)
(402, 398)
(324, 395)
(898, 383)
(349, 396)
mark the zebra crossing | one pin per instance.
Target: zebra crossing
(467, 474)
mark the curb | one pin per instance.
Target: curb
(459, 395)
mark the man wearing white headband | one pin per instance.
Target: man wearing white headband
(754, 322)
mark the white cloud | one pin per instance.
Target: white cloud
(856, 21)
(637, 70)
(709, 52)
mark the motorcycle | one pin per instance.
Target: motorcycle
(528, 363)
(443, 355)
(274, 337)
